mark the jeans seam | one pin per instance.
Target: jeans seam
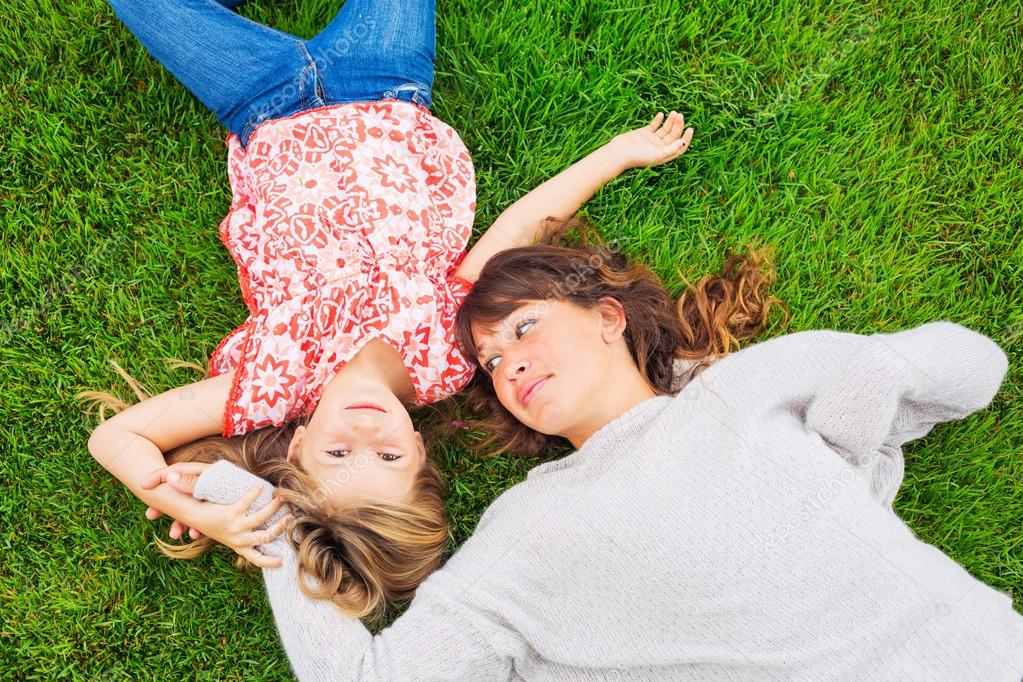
(252, 122)
(317, 86)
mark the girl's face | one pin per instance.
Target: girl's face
(360, 443)
(550, 363)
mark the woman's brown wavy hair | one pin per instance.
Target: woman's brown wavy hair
(708, 321)
(363, 556)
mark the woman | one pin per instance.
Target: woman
(739, 529)
(351, 211)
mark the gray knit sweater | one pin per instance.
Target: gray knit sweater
(742, 529)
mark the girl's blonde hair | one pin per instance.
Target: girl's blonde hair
(363, 556)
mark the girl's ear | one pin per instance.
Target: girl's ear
(421, 445)
(612, 319)
(295, 447)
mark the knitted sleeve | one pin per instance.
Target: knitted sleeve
(866, 395)
(434, 639)
(893, 388)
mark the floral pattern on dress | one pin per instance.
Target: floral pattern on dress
(346, 224)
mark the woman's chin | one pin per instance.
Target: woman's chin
(545, 423)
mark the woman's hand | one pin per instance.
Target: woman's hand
(227, 524)
(664, 139)
(177, 529)
(183, 477)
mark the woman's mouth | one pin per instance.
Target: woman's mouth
(365, 406)
(531, 389)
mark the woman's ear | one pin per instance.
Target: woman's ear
(295, 447)
(612, 319)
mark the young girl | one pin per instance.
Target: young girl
(352, 208)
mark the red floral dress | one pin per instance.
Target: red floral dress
(346, 224)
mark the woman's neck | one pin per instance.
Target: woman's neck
(631, 390)
(380, 363)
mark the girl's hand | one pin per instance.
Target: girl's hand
(228, 524)
(664, 139)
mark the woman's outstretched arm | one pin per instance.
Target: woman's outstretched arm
(521, 224)
(434, 639)
(898, 387)
(866, 395)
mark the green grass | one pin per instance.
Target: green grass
(877, 146)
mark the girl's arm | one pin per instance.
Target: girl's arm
(131, 446)
(521, 224)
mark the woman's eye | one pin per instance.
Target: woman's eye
(389, 457)
(338, 453)
(523, 327)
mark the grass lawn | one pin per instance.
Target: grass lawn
(876, 146)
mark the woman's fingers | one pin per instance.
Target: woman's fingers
(668, 123)
(190, 468)
(683, 143)
(247, 500)
(655, 122)
(154, 479)
(268, 535)
(665, 130)
(181, 476)
(677, 126)
(153, 513)
(257, 519)
(178, 530)
(262, 560)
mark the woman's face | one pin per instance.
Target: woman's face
(550, 362)
(360, 443)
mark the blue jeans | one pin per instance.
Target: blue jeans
(247, 73)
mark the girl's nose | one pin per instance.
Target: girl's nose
(364, 424)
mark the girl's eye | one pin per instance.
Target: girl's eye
(389, 457)
(338, 453)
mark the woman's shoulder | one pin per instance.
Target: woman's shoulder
(765, 357)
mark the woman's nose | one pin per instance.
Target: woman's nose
(515, 367)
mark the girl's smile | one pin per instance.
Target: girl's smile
(366, 406)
